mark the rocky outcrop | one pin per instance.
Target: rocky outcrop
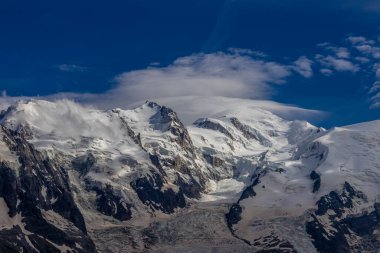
(179, 154)
(38, 197)
(337, 226)
(273, 244)
(316, 180)
(108, 203)
(151, 193)
(83, 163)
(250, 133)
(213, 125)
(233, 216)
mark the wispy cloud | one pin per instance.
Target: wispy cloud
(374, 91)
(303, 66)
(6, 101)
(369, 57)
(366, 6)
(369, 50)
(339, 52)
(358, 55)
(362, 60)
(355, 40)
(222, 27)
(365, 46)
(326, 72)
(245, 51)
(337, 64)
(336, 58)
(71, 68)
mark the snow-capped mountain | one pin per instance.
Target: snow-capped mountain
(189, 174)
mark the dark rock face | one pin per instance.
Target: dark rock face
(206, 123)
(8, 243)
(334, 228)
(39, 187)
(315, 150)
(317, 180)
(273, 244)
(109, 204)
(8, 187)
(249, 191)
(191, 189)
(135, 137)
(83, 163)
(149, 190)
(233, 216)
(107, 200)
(250, 133)
(167, 120)
(214, 160)
(270, 243)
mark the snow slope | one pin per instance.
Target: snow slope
(190, 108)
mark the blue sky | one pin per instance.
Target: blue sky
(315, 54)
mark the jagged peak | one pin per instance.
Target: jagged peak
(152, 104)
(154, 115)
(163, 110)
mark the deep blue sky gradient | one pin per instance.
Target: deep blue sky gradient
(111, 37)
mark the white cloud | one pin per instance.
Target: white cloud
(303, 66)
(3, 100)
(217, 74)
(6, 101)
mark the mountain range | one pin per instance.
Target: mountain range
(186, 174)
